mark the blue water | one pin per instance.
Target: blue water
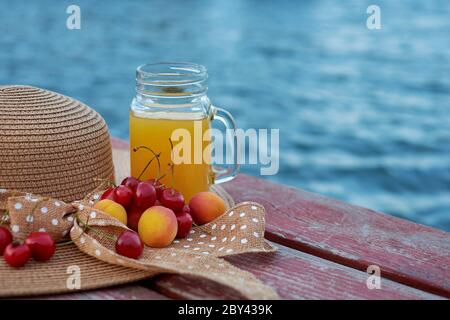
(364, 114)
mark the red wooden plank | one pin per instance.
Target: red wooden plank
(295, 275)
(406, 252)
(125, 292)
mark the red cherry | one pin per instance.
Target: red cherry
(133, 216)
(108, 194)
(17, 254)
(172, 199)
(41, 245)
(145, 195)
(130, 182)
(159, 187)
(123, 195)
(184, 224)
(129, 244)
(185, 209)
(5, 239)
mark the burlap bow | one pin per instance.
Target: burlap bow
(239, 230)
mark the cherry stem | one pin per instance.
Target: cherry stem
(84, 231)
(89, 228)
(171, 164)
(162, 176)
(146, 167)
(65, 243)
(106, 235)
(4, 218)
(85, 226)
(148, 164)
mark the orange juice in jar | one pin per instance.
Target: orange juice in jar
(170, 118)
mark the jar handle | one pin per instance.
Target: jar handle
(224, 174)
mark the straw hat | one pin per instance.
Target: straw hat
(51, 144)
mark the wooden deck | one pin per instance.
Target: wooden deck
(324, 248)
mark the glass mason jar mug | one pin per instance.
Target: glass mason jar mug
(170, 118)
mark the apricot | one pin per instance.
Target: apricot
(158, 227)
(205, 207)
(113, 209)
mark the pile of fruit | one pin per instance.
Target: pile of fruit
(38, 245)
(158, 214)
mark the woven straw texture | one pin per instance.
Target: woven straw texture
(239, 230)
(50, 144)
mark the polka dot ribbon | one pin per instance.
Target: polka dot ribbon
(239, 230)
